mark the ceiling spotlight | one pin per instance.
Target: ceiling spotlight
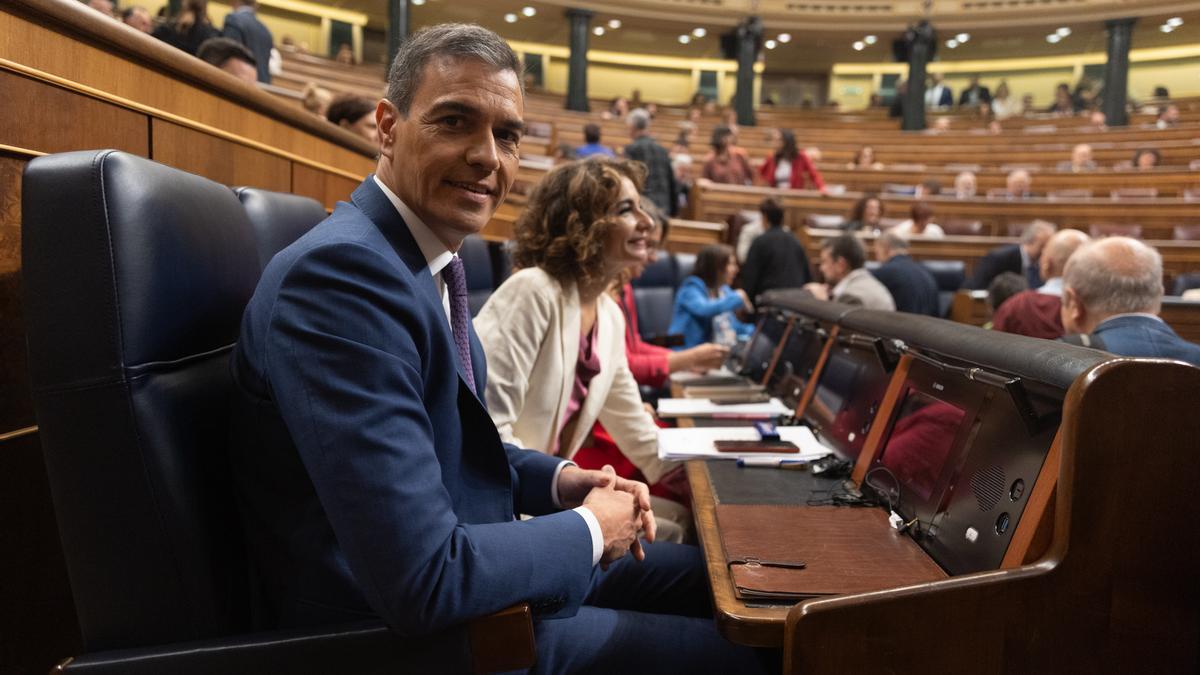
(962, 38)
(528, 11)
(770, 44)
(598, 31)
(510, 17)
(951, 43)
(1174, 22)
(1166, 28)
(418, 3)
(784, 38)
(614, 23)
(858, 46)
(870, 39)
(699, 32)
(1063, 32)
(1053, 38)
(684, 39)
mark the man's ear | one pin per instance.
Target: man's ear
(1073, 313)
(386, 119)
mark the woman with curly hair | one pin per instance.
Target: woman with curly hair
(553, 335)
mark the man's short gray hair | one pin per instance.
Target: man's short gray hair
(1117, 275)
(638, 119)
(892, 241)
(1037, 228)
(452, 40)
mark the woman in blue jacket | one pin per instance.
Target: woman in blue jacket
(705, 303)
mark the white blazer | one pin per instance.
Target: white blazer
(530, 333)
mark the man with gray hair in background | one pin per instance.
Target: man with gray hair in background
(1021, 258)
(374, 483)
(660, 185)
(1112, 294)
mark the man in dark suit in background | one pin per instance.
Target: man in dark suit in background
(660, 176)
(1020, 258)
(374, 481)
(974, 94)
(776, 258)
(912, 286)
(1112, 294)
(242, 25)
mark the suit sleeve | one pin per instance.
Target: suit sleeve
(809, 168)
(233, 31)
(344, 359)
(512, 326)
(697, 303)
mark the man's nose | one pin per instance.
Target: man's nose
(483, 153)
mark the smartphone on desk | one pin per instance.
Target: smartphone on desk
(773, 447)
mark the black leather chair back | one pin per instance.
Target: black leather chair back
(278, 219)
(950, 276)
(135, 279)
(477, 265)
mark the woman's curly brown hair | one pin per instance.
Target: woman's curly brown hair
(566, 222)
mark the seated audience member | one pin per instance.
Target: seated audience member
(373, 483)
(355, 114)
(345, 54)
(683, 141)
(1146, 158)
(1112, 294)
(705, 303)
(911, 285)
(940, 126)
(1002, 288)
(592, 146)
(974, 94)
(1003, 105)
(920, 223)
(1037, 312)
(552, 327)
(723, 164)
(1081, 160)
(660, 185)
(1098, 120)
(930, 187)
(1168, 116)
(787, 167)
(776, 258)
(866, 215)
(137, 17)
(938, 96)
(230, 56)
(188, 29)
(684, 179)
(316, 99)
(105, 7)
(1017, 185)
(964, 185)
(1064, 102)
(846, 280)
(864, 158)
(1020, 258)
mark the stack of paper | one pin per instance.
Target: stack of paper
(703, 407)
(700, 442)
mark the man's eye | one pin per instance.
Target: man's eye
(453, 121)
(509, 137)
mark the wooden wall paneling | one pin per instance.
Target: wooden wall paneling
(218, 159)
(45, 118)
(325, 187)
(16, 405)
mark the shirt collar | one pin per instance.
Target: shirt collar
(1052, 287)
(437, 256)
(1122, 316)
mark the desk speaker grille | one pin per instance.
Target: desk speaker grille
(988, 487)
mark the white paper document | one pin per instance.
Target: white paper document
(703, 407)
(700, 442)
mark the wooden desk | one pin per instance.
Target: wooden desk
(758, 624)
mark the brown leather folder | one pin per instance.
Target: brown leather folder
(797, 552)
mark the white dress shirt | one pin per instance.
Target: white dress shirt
(437, 256)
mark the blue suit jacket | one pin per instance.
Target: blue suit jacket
(373, 481)
(912, 286)
(1144, 336)
(244, 27)
(694, 311)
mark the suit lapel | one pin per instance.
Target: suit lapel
(379, 209)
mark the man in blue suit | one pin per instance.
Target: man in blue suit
(1112, 293)
(373, 480)
(243, 26)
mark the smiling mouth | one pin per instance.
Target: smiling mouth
(474, 188)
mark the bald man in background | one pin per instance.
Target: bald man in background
(1037, 312)
(1112, 294)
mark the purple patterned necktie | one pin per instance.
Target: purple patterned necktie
(460, 315)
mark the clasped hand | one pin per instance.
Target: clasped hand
(621, 506)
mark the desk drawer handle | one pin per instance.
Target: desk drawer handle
(759, 562)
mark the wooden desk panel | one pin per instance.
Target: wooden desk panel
(44, 118)
(218, 159)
